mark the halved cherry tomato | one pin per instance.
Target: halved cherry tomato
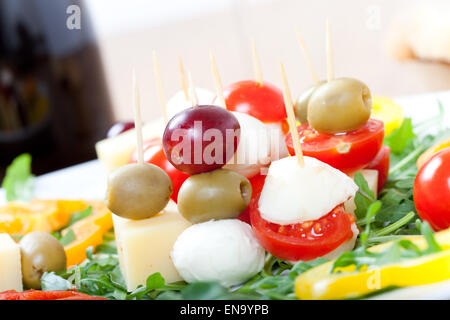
(302, 241)
(431, 190)
(257, 183)
(154, 154)
(381, 164)
(264, 102)
(348, 151)
(47, 295)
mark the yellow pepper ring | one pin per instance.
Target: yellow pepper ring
(318, 283)
(386, 110)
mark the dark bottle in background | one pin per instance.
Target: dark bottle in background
(54, 102)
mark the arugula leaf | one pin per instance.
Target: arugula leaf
(19, 182)
(80, 215)
(364, 197)
(67, 238)
(51, 282)
(401, 138)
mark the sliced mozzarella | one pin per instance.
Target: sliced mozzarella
(178, 101)
(224, 250)
(253, 152)
(346, 246)
(278, 148)
(292, 194)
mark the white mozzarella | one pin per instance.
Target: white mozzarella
(226, 251)
(278, 148)
(292, 194)
(178, 101)
(253, 152)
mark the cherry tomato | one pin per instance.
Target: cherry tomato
(154, 153)
(347, 151)
(119, 128)
(302, 241)
(381, 164)
(264, 102)
(47, 295)
(431, 190)
(257, 183)
(201, 139)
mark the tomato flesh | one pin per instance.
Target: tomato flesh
(348, 151)
(431, 190)
(381, 164)
(46, 295)
(154, 154)
(302, 241)
(264, 102)
(257, 183)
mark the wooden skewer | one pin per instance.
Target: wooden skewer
(217, 81)
(159, 84)
(291, 118)
(194, 99)
(137, 119)
(183, 79)
(330, 67)
(257, 65)
(307, 57)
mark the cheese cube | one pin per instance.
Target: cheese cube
(10, 266)
(144, 246)
(371, 177)
(116, 152)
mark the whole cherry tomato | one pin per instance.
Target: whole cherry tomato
(431, 190)
(264, 102)
(154, 153)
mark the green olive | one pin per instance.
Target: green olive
(40, 252)
(301, 105)
(138, 191)
(340, 105)
(218, 194)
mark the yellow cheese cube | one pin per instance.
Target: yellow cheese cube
(144, 246)
(371, 177)
(10, 266)
(116, 152)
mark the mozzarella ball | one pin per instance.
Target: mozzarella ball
(178, 101)
(292, 194)
(278, 148)
(218, 250)
(253, 152)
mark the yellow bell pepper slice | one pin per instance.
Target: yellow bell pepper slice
(88, 232)
(432, 150)
(319, 283)
(386, 110)
(20, 218)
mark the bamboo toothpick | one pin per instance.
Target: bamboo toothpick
(183, 79)
(307, 57)
(257, 65)
(217, 81)
(137, 119)
(159, 84)
(194, 99)
(291, 118)
(330, 67)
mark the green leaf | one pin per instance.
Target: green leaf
(79, 215)
(155, 281)
(401, 137)
(204, 291)
(67, 238)
(364, 197)
(19, 182)
(50, 282)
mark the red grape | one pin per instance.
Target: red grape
(201, 139)
(119, 128)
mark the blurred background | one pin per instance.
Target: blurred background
(61, 87)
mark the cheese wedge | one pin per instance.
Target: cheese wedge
(10, 266)
(371, 177)
(115, 152)
(144, 246)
